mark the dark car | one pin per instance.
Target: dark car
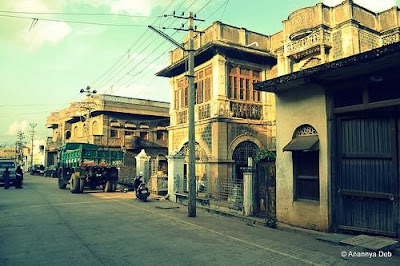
(37, 169)
(11, 165)
(51, 171)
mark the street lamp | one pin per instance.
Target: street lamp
(89, 93)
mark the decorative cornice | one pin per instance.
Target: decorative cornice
(271, 85)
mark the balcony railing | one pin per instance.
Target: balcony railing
(203, 111)
(181, 116)
(246, 110)
(53, 145)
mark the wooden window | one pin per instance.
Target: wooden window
(242, 89)
(305, 154)
(240, 84)
(230, 87)
(144, 135)
(185, 97)
(199, 91)
(207, 92)
(113, 133)
(176, 100)
(161, 135)
(306, 174)
(248, 89)
(128, 133)
(235, 95)
(203, 85)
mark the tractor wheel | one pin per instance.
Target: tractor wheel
(81, 185)
(75, 184)
(61, 183)
(108, 186)
(113, 185)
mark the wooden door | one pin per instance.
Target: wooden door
(367, 185)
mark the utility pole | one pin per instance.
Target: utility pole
(89, 94)
(191, 134)
(18, 145)
(32, 133)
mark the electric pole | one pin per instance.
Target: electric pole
(89, 94)
(191, 134)
(32, 133)
(18, 145)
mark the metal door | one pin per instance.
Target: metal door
(265, 189)
(367, 185)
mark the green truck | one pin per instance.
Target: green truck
(87, 165)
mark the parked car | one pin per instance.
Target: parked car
(37, 169)
(12, 166)
(51, 171)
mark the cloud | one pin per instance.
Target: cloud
(374, 5)
(22, 32)
(17, 126)
(45, 32)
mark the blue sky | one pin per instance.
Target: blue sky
(45, 63)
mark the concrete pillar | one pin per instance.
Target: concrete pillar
(248, 190)
(175, 175)
(143, 165)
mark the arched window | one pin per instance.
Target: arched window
(305, 153)
(115, 123)
(67, 134)
(84, 131)
(76, 130)
(130, 125)
(95, 128)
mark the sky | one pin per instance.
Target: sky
(50, 49)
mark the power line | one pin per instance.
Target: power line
(76, 14)
(117, 64)
(134, 78)
(112, 86)
(75, 21)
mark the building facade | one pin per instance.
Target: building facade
(113, 122)
(233, 121)
(335, 119)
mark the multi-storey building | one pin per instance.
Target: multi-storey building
(234, 121)
(336, 106)
(114, 122)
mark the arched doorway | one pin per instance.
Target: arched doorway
(241, 154)
(201, 159)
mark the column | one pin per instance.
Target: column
(175, 175)
(143, 165)
(248, 191)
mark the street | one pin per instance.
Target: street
(43, 225)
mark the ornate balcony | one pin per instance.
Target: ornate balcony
(246, 110)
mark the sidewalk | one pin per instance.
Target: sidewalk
(316, 237)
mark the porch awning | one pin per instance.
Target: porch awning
(303, 143)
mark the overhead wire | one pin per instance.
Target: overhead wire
(76, 14)
(74, 21)
(117, 64)
(123, 55)
(154, 51)
(128, 73)
(135, 80)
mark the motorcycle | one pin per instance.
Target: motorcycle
(141, 189)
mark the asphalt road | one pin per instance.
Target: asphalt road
(43, 225)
